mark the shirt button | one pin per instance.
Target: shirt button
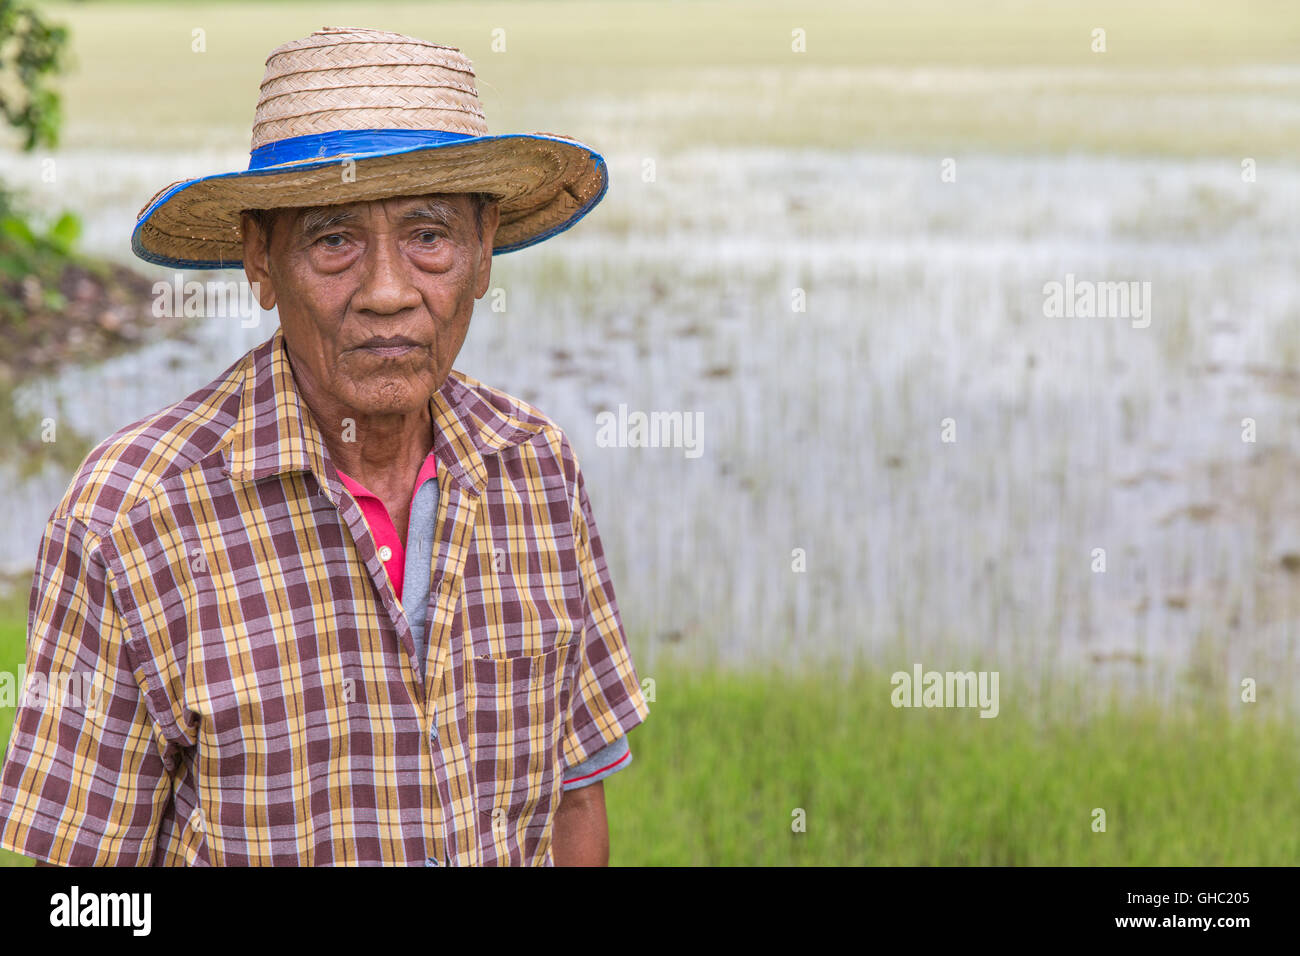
(385, 553)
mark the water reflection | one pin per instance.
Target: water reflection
(823, 427)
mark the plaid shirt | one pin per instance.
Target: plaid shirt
(250, 691)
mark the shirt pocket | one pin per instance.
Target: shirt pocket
(540, 631)
(516, 708)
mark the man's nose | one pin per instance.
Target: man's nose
(386, 286)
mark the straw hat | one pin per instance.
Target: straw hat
(406, 112)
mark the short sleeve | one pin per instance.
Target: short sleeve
(603, 763)
(606, 700)
(83, 781)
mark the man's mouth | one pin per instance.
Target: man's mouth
(389, 347)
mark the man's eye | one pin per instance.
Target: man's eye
(429, 236)
(329, 240)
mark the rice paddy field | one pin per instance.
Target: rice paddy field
(837, 257)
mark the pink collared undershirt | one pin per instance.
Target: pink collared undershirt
(381, 525)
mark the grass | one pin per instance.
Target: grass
(13, 638)
(724, 761)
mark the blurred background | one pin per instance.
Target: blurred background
(828, 233)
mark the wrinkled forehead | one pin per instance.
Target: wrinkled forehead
(444, 209)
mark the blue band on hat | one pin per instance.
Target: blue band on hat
(343, 142)
(325, 150)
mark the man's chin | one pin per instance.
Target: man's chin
(384, 395)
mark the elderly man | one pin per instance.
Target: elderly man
(345, 604)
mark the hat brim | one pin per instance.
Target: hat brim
(544, 185)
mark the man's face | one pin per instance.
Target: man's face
(375, 298)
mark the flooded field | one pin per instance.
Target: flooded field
(940, 456)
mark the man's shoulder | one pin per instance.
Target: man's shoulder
(138, 459)
(510, 406)
(525, 441)
(499, 409)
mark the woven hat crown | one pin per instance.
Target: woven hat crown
(348, 78)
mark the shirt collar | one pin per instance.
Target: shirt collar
(275, 433)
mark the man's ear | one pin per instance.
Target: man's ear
(491, 219)
(257, 260)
